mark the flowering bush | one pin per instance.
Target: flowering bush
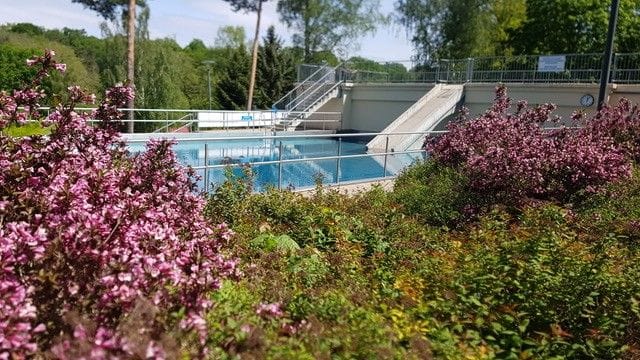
(511, 157)
(87, 229)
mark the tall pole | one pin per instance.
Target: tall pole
(254, 58)
(131, 22)
(608, 53)
(208, 63)
(209, 82)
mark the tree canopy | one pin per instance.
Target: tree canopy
(468, 28)
(333, 25)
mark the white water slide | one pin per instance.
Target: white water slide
(424, 115)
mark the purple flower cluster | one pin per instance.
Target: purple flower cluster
(270, 310)
(510, 156)
(86, 228)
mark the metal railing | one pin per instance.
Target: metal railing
(319, 75)
(570, 68)
(178, 120)
(384, 156)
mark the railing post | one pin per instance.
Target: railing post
(386, 151)
(167, 122)
(614, 69)
(280, 166)
(338, 161)
(469, 69)
(206, 169)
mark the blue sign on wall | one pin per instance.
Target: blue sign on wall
(247, 118)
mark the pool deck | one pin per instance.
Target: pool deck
(352, 189)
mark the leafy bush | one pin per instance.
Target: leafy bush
(270, 242)
(534, 291)
(227, 200)
(86, 229)
(509, 157)
(436, 194)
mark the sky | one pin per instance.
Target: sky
(184, 20)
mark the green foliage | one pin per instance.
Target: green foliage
(578, 26)
(469, 28)
(276, 71)
(16, 48)
(372, 278)
(231, 91)
(436, 194)
(270, 242)
(461, 28)
(13, 73)
(394, 70)
(227, 200)
(230, 37)
(332, 25)
(28, 129)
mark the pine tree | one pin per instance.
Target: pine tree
(276, 71)
(231, 91)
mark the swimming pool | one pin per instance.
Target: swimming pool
(290, 173)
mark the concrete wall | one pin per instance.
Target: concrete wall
(326, 121)
(631, 92)
(371, 107)
(478, 97)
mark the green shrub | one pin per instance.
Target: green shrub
(435, 193)
(535, 291)
(227, 200)
(270, 242)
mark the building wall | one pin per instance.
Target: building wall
(371, 107)
(328, 116)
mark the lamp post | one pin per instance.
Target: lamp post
(608, 52)
(208, 63)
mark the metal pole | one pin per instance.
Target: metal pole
(386, 151)
(280, 166)
(206, 170)
(209, 83)
(608, 52)
(338, 161)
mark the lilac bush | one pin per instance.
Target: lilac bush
(511, 157)
(86, 228)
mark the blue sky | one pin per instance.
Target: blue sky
(185, 20)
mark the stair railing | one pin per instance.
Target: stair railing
(295, 89)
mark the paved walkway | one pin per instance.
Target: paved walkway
(351, 189)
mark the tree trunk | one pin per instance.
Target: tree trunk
(131, 35)
(254, 59)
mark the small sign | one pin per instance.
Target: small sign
(551, 63)
(247, 117)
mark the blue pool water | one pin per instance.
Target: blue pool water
(293, 175)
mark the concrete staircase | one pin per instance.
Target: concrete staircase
(424, 115)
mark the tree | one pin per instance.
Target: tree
(333, 25)
(276, 72)
(577, 26)
(107, 9)
(461, 28)
(251, 6)
(230, 37)
(231, 91)
(16, 47)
